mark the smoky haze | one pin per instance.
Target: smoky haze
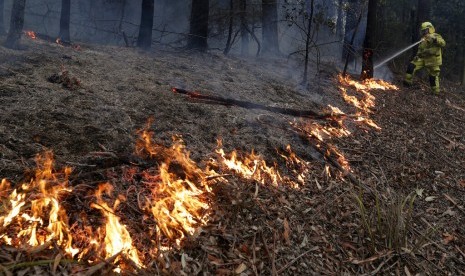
(104, 21)
(111, 21)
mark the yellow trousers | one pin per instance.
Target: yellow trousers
(433, 72)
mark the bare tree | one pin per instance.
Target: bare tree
(340, 20)
(307, 41)
(244, 28)
(229, 42)
(64, 20)
(270, 27)
(199, 25)
(146, 24)
(369, 44)
(16, 24)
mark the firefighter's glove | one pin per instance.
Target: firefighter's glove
(431, 39)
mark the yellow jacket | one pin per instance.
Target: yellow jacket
(430, 49)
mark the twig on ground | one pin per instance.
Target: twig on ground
(282, 269)
(254, 260)
(375, 272)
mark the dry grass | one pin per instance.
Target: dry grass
(388, 223)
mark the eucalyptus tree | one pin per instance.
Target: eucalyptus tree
(64, 20)
(369, 42)
(198, 34)
(16, 24)
(270, 43)
(144, 40)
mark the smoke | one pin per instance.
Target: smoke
(105, 21)
(109, 21)
(383, 73)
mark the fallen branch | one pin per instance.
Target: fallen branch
(375, 272)
(286, 266)
(271, 255)
(249, 105)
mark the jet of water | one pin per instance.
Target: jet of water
(396, 54)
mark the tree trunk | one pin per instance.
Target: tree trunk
(307, 41)
(16, 24)
(64, 20)
(369, 42)
(463, 59)
(351, 43)
(230, 29)
(2, 26)
(270, 27)
(120, 25)
(144, 40)
(244, 32)
(350, 26)
(199, 25)
(340, 20)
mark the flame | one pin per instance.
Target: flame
(321, 134)
(297, 165)
(177, 188)
(35, 210)
(58, 41)
(367, 121)
(31, 34)
(176, 204)
(252, 166)
(366, 102)
(367, 84)
(341, 159)
(116, 237)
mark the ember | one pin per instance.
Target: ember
(31, 34)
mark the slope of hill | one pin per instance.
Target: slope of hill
(247, 173)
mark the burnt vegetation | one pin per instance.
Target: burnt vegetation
(227, 137)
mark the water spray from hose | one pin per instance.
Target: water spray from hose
(396, 54)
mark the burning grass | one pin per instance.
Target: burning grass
(176, 194)
(211, 210)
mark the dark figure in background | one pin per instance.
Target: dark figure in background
(429, 56)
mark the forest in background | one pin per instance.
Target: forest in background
(302, 29)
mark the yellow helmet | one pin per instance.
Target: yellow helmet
(427, 28)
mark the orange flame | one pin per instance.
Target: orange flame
(176, 204)
(177, 190)
(36, 210)
(251, 166)
(31, 34)
(367, 84)
(367, 101)
(297, 165)
(116, 237)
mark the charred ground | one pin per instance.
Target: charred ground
(317, 228)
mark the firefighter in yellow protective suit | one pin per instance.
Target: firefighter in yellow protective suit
(429, 56)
